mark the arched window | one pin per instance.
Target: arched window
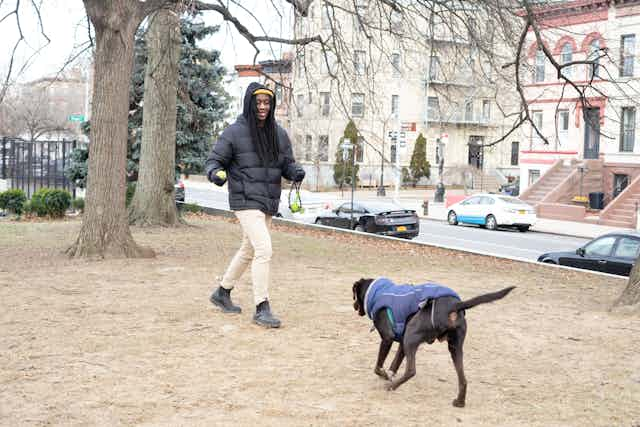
(566, 56)
(538, 73)
(594, 55)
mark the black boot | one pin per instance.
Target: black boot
(222, 298)
(263, 316)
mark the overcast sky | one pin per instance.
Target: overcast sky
(64, 23)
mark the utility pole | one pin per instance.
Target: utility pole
(346, 147)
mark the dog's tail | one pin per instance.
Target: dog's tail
(483, 299)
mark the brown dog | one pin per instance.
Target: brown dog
(439, 318)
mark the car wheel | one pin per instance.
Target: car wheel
(523, 228)
(452, 218)
(359, 227)
(491, 222)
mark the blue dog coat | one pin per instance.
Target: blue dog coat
(402, 300)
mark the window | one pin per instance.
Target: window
(434, 68)
(620, 182)
(539, 67)
(323, 148)
(627, 248)
(357, 104)
(600, 247)
(395, 64)
(325, 106)
(433, 108)
(299, 147)
(360, 150)
(358, 62)
(300, 105)
(563, 126)
(566, 56)
(326, 17)
(310, 98)
(308, 148)
(537, 120)
(486, 110)
(627, 53)
(278, 95)
(515, 152)
(534, 174)
(328, 64)
(627, 129)
(594, 54)
(468, 111)
(395, 104)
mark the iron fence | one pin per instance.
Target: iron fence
(30, 165)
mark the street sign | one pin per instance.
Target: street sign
(76, 118)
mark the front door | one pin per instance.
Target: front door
(475, 151)
(591, 133)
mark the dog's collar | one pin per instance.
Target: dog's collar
(366, 296)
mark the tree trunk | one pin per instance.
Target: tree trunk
(105, 229)
(154, 200)
(631, 294)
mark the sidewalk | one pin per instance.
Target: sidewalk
(414, 199)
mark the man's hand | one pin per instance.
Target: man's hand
(218, 178)
(299, 174)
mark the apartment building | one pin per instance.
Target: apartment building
(436, 84)
(590, 142)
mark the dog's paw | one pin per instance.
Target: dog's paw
(458, 404)
(391, 385)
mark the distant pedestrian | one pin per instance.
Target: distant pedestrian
(254, 154)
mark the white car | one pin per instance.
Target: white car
(313, 206)
(493, 211)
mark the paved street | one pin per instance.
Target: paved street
(504, 243)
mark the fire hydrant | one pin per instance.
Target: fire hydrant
(425, 208)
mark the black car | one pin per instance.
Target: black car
(511, 188)
(386, 219)
(613, 253)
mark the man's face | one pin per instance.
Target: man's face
(263, 104)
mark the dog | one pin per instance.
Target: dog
(435, 312)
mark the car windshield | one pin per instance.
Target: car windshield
(512, 200)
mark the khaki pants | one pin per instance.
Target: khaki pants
(255, 249)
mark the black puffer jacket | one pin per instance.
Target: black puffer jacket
(251, 185)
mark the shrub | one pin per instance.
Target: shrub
(78, 204)
(131, 189)
(13, 201)
(50, 201)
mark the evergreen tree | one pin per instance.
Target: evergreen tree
(202, 99)
(419, 165)
(342, 170)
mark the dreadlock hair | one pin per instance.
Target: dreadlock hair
(265, 139)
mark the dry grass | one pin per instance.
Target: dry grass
(136, 342)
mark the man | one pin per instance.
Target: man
(254, 153)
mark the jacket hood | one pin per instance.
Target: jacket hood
(248, 97)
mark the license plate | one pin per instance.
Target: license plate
(401, 228)
(522, 212)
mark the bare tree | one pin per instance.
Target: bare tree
(153, 202)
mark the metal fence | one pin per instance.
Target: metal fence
(30, 165)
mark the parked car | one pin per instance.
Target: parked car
(511, 188)
(613, 253)
(179, 186)
(493, 211)
(387, 219)
(313, 205)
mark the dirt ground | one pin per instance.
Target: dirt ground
(136, 342)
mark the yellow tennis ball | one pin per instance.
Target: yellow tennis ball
(221, 174)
